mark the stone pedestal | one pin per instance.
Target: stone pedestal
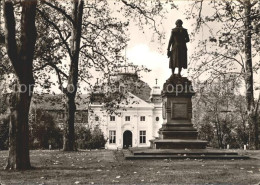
(177, 131)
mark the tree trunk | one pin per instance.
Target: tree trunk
(69, 131)
(256, 132)
(71, 90)
(18, 157)
(21, 59)
(249, 71)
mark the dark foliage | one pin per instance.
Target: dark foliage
(4, 128)
(89, 139)
(44, 131)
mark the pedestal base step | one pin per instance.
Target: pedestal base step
(134, 154)
(223, 157)
(178, 144)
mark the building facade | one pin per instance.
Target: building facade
(134, 123)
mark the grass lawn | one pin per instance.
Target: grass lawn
(109, 167)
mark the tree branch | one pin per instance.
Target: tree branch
(10, 40)
(142, 12)
(63, 12)
(64, 40)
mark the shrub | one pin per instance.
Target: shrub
(44, 131)
(87, 139)
(82, 136)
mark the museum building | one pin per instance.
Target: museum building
(137, 118)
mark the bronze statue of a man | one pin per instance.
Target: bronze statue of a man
(177, 44)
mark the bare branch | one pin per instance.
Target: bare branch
(142, 12)
(64, 40)
(63, 12)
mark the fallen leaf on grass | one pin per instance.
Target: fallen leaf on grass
(77, 182)
(118, 177)
(99, 170)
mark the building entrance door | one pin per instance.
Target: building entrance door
(127, 139)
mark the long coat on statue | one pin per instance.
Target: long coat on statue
(177, 43)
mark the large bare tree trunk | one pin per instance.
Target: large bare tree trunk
(249, 73)
(69, 134)
(21, 59)
(18, 131)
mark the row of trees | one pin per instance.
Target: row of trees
(220, 114)
(229, 45)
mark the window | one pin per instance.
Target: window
(112, 118)
(127, 118)
(157, 119)
(112, 136)
(96, 118)
(142, 136)
(142, 118)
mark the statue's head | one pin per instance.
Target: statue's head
(179, 22)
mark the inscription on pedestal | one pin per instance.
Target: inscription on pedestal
(179, 111)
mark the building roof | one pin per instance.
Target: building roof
(130, 101)
(57, 102)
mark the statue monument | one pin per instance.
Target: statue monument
(177, 44)
(177, 131)
(178, 139)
